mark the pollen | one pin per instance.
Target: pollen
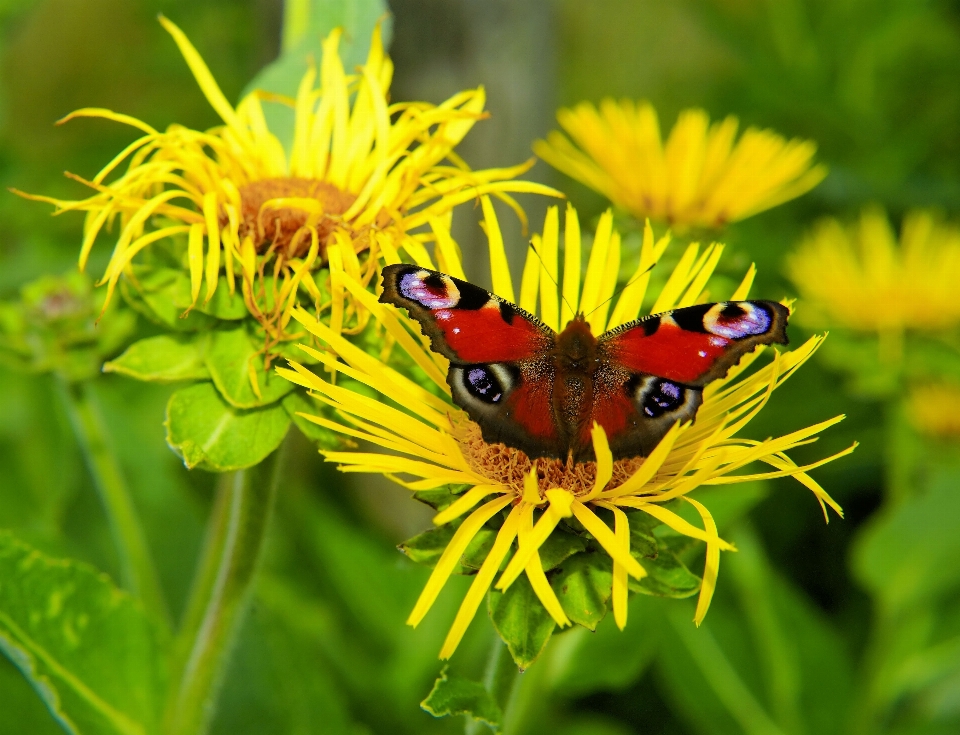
(273, 220)
(507, 466)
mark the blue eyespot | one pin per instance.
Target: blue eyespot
(483, 384)
(661, 396)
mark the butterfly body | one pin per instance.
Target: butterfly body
(540, 391)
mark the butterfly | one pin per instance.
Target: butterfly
(540, 392)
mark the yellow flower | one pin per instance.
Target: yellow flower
(424, 436)
(935, 410)
(858, 277)
(360, 169)
(701, 177)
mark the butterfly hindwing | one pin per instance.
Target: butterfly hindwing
(499, 371)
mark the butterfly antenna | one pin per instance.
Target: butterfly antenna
(624, 288)
(550, 275)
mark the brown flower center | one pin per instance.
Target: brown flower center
(508, 466)
(275, 223)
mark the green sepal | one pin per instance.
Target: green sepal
(455, 695)
(427, 547)
(210, 434)
(559, 546)
(521, 620)
(583, 584)
(667, 576)
(441, 497)
(86, 647)
(229, 355)
(165, 358)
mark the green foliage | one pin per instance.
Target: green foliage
(209, 433)
(166, 358)
(454, 695)
(521, 621)
(233, 361)
(86, 647)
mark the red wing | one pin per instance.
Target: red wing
(652, 372)
(696, 344)
(499, 370)
(465, 323)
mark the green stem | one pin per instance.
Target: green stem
(221, 589)
(500, 679)
(137, 572)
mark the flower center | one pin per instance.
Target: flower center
(505, 465)
(272, 222)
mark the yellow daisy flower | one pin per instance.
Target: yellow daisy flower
(424, 436)
(935, 410)
(860, 278)
(701, 177)
(360, 169)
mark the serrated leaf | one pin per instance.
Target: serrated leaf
(455, 695)
(478, 549)
(583, 584)
(85, 646)
(231, 355)
(521, 620)
(295, 403)
(165, 358)
(210, 434)
(666, 577)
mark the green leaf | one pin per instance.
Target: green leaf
(441, 497)
(521, 620)
(86, 647)
(559, 546)
(666, 577)
(159, 296)
(454, 695)
(583, 584)
(908, 555)
(427, 547)
(295, 403)
(165, 358)
(314, 20)
(23, 710)
(209, 433)
(223, 305)
(230, 354)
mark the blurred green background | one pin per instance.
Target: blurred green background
(851, 627)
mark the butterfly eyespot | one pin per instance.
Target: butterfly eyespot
(657, 397)
(482, 383)
(432, 290)
(736, 320)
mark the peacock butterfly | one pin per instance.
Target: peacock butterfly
(539, 391)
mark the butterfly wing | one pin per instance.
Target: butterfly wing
(499, 373)
(652, 371)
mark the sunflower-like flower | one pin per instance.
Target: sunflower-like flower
(702, 177)
(860, 278)
(360, 170)
(423, 435)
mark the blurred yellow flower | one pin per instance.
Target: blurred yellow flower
(935, 410)
(701, 177)
(860, 278)
(423, 435)
(360, 169)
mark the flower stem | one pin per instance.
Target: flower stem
(137, 572)
(221, 589)
(500, 679)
